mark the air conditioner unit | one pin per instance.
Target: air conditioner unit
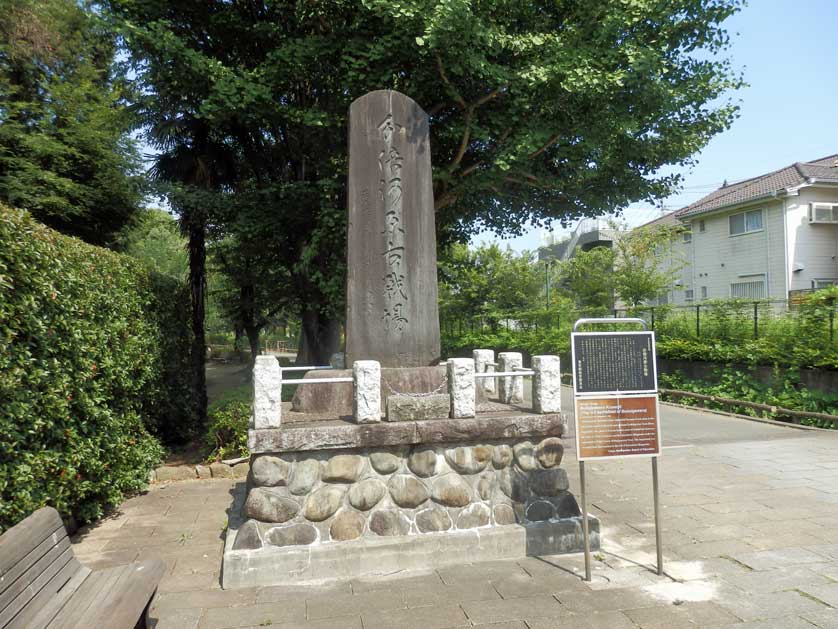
(823, 212)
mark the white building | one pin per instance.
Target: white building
(760, 238)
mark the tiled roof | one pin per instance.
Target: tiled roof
(825, 168)
(666, 219)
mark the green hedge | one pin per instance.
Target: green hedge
(92, 358)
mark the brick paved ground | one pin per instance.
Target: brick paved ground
(750, 537)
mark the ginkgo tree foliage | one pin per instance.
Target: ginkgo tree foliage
(540, 110)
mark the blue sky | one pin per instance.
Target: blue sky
(789, 111)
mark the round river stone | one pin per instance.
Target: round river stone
(524, 456)
(324, 502)
(384, 462)
(540, 511)
(432, 520)
(347, 525)
(566, 506)
(486, 486)
(343, 468)
(501, 456)
(269, 471)
(294, 535)
(387, 522)
(474, 516)
(269, 505)
(465, 460)
(451, 490)
(303, 477)
(247, 537)
(514, 484)
(366, 494)
(422, 462)
(549, 482)
(407, 491)
(504, 514)
(550, 452)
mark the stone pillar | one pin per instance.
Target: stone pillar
(267, 393)
(461, 387)
(546, 384)
(481, 359)
(367, 391)
(511, 387)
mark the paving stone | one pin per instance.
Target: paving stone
(205, 598)
(684, 615)
(518, 585)
(436, 617)
(331, 606)
(605, 600)
(514, 609)
(278, 593)
(441, 594)
(174, 473)
(773, 605)
(768, 559)
(827, 619)
(788, 578)
(828, 593)
(344, 622)
(263, 614)
(588, 620)
(175, 618)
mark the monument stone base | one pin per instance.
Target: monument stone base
(333, 499)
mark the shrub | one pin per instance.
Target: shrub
(91, 357)
(228, 419)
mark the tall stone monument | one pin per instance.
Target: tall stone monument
(391, 293)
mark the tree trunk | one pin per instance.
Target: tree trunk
(198, 285)
(319, 338)
(253, 338)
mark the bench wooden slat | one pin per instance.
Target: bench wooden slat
(129, 590)
(26, 535)
(34, 555)
(31, 568)
(49, 611)
(43, 586)
(84, 597)
(46, 594)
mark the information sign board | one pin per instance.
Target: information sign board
(614, 362)
(612, 427)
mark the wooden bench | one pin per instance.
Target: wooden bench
(42, 584)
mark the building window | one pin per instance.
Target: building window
(704, 292)
(701, 226)
(688, 294)
(823, 213)
(824, 283)
(750, 287)
(688, 236)
(663, 299)
(745, 222)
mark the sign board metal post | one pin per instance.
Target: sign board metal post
(615, 390)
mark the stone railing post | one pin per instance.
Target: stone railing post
(482, 360)
(367, 391)
(461, 387)
(511, 387)
(267, 393)
(546, 384)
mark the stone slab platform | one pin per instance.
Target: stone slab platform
(374, 557)
(338, 434)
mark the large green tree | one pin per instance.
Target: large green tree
(540, 111)
(65, 151)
